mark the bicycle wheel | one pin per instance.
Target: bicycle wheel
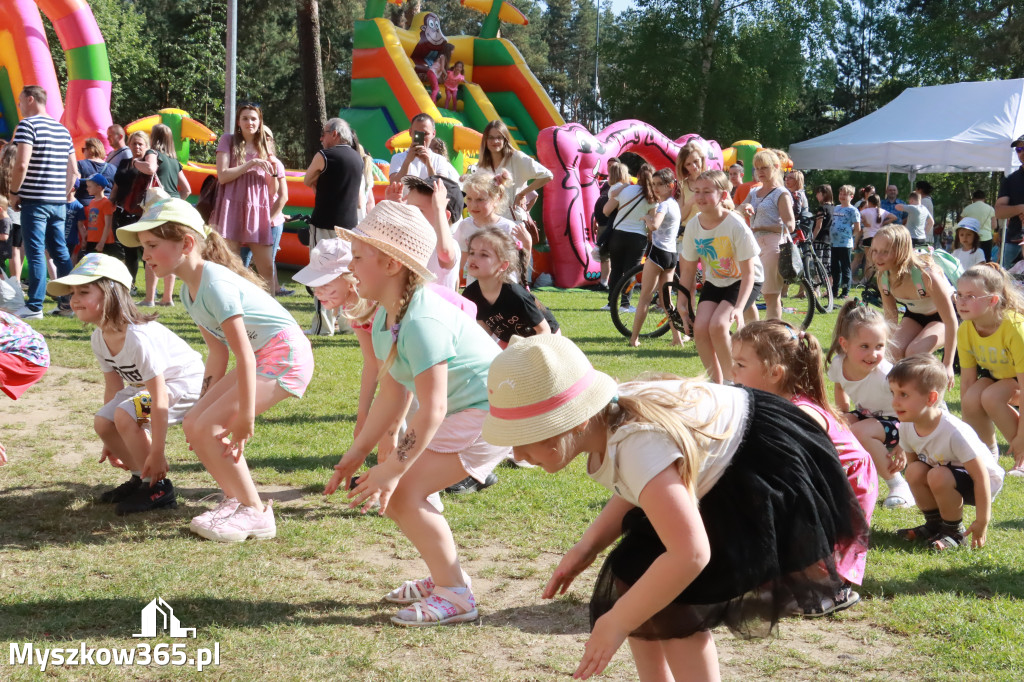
(657, 322)
(819, 281)
(800, 311)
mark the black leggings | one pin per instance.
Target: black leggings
(132, 254)
(626, 250)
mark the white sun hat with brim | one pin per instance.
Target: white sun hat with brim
(400, 231)
(328, 261)
(159, 209)
(971, 224)
(540, 387)
(92, 267)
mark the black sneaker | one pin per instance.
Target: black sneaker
(471, 485)
(147, 498)
(121, 492)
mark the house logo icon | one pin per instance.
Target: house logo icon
(158, 614)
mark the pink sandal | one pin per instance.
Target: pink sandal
(441, 608)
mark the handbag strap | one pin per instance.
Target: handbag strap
(634, 202)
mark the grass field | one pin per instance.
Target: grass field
(306, 606)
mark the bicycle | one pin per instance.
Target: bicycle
(658, 319)
(815, 273)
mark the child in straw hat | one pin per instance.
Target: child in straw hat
(773, 502)
(432, 350)
(236, 315)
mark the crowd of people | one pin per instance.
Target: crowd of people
(454, 384)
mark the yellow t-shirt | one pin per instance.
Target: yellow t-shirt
(1001, 353)
(984, 214)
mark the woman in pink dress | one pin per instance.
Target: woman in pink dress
(247, 175)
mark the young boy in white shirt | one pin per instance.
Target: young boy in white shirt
(950, 465)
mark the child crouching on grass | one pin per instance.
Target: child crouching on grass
(24, 358)
(151, 379)
(952, 467)
(773, 502)
(236, 315)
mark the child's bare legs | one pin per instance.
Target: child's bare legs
(150, 286)
(676, 660)
(135, 438)
(935, 488)
(168, 296)
(751, 314)
(704, 336)
(209, 419)
(872, 437)
(653, 278)
(995, 400)
(419, 521)
(112, 441)
(976, 415)
(606, 271)
(773, 306)
(14, 263)
(721, 321)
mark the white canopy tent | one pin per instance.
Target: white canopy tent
(956, 128)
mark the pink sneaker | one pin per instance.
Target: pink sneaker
(245, 522)
(224, 508)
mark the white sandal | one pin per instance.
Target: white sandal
(434, 610)
(411, 591)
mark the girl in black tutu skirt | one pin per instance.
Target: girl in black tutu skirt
(728, 502)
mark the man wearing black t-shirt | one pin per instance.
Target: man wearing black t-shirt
(1010, 205)
(334, 174)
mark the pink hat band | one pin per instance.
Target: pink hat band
(547, 405)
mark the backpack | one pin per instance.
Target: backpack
(946, 262)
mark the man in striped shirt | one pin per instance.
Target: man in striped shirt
(44, 176)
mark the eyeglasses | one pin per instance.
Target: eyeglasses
(968, 298)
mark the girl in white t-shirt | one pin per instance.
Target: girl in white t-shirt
(151, 379)
(725, 246)
(966, 242)
(859, 371)
(662, 223)
(739, 559)
(485, 201)
(236, 316)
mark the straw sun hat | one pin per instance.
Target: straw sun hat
(541, 387)
(400, 231)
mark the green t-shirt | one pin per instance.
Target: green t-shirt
(984, 214)
(435, 331)
(167, 170)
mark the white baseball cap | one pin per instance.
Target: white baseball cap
(328, 261)
(92, 267)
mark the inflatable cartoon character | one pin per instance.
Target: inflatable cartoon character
(432, 54)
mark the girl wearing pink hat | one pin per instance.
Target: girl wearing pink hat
(773, 502)
(430, 349)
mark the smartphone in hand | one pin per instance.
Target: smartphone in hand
(418, 136)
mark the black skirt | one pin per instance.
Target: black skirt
(773, 520)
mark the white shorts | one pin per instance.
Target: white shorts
(135, 400)
(461, 433)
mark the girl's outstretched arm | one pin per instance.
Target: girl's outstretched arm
(242, 427)
(381, 480)
(216, 361)
(605, 530)
(672, 510)
(156, 460)
(983, 497)
(391, 400)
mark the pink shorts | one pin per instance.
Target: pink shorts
(288, 358)
(17, 374)
(460, 433)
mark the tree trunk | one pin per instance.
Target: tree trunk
(314, 106)
(708, 42)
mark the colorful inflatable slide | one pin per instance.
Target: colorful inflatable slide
(25, 60)
(387, 91)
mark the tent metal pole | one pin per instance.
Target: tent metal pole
(886, 175)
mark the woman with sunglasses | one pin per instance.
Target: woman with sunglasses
(247, 173)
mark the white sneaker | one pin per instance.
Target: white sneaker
(245, 522)
(225, 507)
(605, 307)
(899, 497)
(627, 309)
(25, 313)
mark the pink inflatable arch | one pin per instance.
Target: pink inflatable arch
(575, 157)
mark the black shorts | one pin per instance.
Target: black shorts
(987, 374)
(729, 294)
(16, 241)
(866, 242)
(964, 483)
(890, 426)
(922, 319)
(666, 260)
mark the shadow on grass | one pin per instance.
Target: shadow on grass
(965, 580)
(119, 617)
(559, 617)
(300, 419)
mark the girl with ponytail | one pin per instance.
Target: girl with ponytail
(772, 356)
(629, 239)
(236, 315)
(433, 351)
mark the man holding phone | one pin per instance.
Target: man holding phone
(419, 161)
